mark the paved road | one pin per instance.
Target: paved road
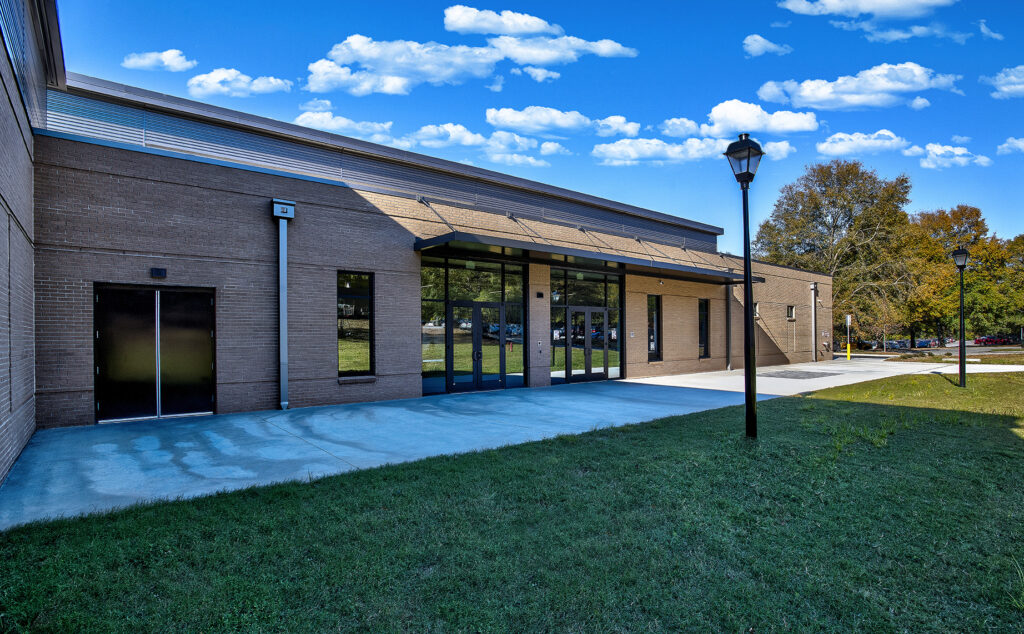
(77, 470)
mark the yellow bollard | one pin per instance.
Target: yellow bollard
(847, 350)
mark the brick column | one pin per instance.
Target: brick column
(539, 356)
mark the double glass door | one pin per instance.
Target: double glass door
(476, 346)
(589, 339)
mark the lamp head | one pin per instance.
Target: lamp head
(744, 156)
(960, 257)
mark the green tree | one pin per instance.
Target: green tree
(843, 219)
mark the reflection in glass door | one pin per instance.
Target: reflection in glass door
(476, 354)
(588, 346)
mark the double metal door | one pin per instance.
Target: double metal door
(587, 352)
(475, 346)
(154, 352)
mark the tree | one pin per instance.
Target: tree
(842, 219)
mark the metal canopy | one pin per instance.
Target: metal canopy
(694, 273)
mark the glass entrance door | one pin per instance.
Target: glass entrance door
(475, 346)
(587, 352)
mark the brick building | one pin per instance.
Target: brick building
(149, 237)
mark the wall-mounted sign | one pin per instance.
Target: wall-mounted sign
(284, 209)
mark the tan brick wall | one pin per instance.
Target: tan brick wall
(17, 330)
(539, 325)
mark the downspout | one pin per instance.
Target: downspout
(814, 321)
(728, 327)
(284, 211)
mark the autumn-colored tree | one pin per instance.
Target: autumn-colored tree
(843, 219)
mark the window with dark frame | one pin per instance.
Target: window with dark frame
(653, 328)
(355, 324)
(791, 312)
(703, 320)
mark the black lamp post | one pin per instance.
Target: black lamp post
(744, 156)
(960, 258)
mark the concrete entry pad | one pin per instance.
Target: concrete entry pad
(76, 470)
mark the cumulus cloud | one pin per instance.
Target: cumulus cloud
(874, 33)
(845, 144)
(446, 135)
(548, 148)
(656, 151)
(233, 83)
(680, 126)
(517, 159)
(987, 32)
(172, 59)
(736, 116)
(913, 150)
(1009, 82)
(361, 65)
(919, 103)
(497, 84)
(778, 150)
(754, 45)
(328, 121)
(1012, 144)
(959, 139)
(539, 75)
(616, 125)
(545, 120)
(940, 156)
(876, 8)
(462, 19)
(878, 86)
(316, 105)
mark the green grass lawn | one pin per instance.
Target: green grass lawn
(895, 505)
(984, 359)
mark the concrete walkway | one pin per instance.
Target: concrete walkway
(71, 471)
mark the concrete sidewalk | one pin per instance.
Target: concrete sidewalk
(75, 470)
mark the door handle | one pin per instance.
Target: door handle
(478, 355)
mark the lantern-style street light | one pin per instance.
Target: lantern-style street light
(744, 156)
(960, 259)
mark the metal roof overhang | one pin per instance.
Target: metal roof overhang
(679, 271)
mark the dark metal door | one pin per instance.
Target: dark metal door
(186, 352)
(154, 351)
(587, 349)
(125, 352)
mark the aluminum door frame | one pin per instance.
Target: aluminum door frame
(588, 373)
(477, 343)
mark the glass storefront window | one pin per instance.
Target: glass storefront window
(355, 324)
(585, 289)
(474, 281)
(513, 283)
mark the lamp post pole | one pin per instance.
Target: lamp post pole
(744, 156)
(963, 337)
(749, 353)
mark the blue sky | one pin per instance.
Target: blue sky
(630, 101)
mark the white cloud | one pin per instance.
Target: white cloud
(497, 84)
(959, 139)
(368, 130)
(548, 148)
(231, 82)
(326, 76)
(502, 141)
(172, 59)
(877, 8)
(446, 135)
(680, 126)
(844, 144)
(913, 150)
(940, 156)
(987, 32)
(536, 119)
(781, 24)
(754, 45)
(878, 86)
(738, 116)
(539, 75)
(875, 34)
(462, 19)
(545, 51)
(616, 125)
(316, 105)
(656, 151)
(517, 159)
(778, 150)
(1009, 82)
(1012, 144)
(919, 103)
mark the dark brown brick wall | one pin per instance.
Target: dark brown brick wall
(17, 331)
(109, 215)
